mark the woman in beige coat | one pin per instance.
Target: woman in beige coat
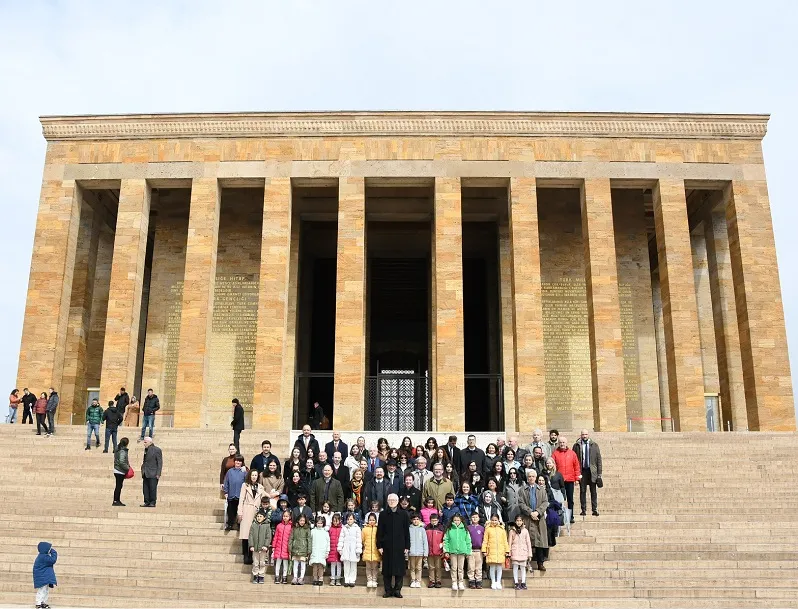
(248, 504)
(132, 413)
(535, 517)
(273, 484)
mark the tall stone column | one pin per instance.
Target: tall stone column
(350, 306)
(603, 306)
(508, 328)
(760, 313)
(274, 370)
(530, 372)
(44, 330)
(727, 335)
(680, 314)
(448, 314)
(191, 392)
(124, 301)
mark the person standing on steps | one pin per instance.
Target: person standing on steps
(28, 400)
(568, 465)
(13, 405)
(122, 400)
(151, 468)
(316, 416)
(94, 418)
(52, 405)
(40, 410)
(151, 406)
(113, 419)
(234, 479)
(121, 468)
(132, 413)
(44, 573)
(393, 544)
(590, 459)
(237, 423)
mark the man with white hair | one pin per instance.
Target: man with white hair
(421, 475)
(393, 544)
(151, 472)
(537, 440)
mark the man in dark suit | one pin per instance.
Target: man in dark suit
(341, 473)
(376, 490)
(151, 472)
(589, 456)
(328, 489)
(373, 461)
(336, 445)
(471, 453)
(306, 440)
(453, 452)
(393, 477)
(237, 423)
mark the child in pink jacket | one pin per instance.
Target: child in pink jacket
(282, 557)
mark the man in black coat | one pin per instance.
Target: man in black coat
(336, 445)
(316, 416)
(122, 400)
(306, 440)
(237, 423)
(471, 453)
(453, 452)
(393, 543)
(28, 400)
(341, 473)
(376, 490)
(261, 461)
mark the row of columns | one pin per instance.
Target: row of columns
(756, 324)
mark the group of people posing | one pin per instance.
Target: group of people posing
(122, 410)
(44, 407)
(469, 511)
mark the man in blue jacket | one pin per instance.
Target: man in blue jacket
(44, 573)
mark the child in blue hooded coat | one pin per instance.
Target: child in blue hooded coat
(44, 574)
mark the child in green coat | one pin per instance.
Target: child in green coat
(456, 546)
(260, 540)
(299, 549)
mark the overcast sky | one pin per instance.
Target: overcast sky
(154, 56)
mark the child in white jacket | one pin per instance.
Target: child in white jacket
(319, 549)
(350, 547)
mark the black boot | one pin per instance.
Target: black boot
(245, 551)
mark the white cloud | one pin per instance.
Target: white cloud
(149, 56)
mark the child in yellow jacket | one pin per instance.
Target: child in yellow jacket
(370, 554)
(496, 549)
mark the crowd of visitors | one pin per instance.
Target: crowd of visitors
(470, 511)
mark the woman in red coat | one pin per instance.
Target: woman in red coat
(568, 465)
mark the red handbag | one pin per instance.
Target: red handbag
(130, 473)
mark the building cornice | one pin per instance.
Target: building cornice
(405, 124)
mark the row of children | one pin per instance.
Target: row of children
(338, 540)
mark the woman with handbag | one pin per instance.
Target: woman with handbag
(122, 470)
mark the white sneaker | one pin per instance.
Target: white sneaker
(499, 586)
(454, 586)
(461, 586)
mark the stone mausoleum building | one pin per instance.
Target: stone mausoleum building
(411, 271)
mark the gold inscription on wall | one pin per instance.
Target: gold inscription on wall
(174, 310)
(566, 341)
(631, 360)
(232, 351)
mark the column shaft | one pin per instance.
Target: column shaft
(124, 301)
(760, 314)
(508, 329)
(530, 374)
(196, 317)
(680, 314)
(350, 306)
(603, 306)
(448, 285)
(274, 379)
(41, 358)
(727, 336)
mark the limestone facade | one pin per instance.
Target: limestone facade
(636, 268)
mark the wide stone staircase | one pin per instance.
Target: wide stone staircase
(687, 520)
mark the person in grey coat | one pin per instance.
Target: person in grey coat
(151, 472)
(52, 405)
(533, 502)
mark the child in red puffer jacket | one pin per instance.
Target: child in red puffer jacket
(334, 558)
(282, 557)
